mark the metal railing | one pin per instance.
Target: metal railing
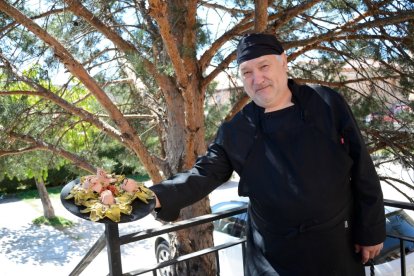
(402, 239)
(113, 241)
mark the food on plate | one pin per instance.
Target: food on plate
(108, 195)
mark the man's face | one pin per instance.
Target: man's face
(265, 81)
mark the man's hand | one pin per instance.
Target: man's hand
(157, 202)
(368, 252)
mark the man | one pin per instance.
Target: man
(316, 206)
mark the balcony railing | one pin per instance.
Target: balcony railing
(113, 241)
(402, 239)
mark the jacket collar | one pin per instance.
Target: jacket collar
(300, 97)
(300, 94)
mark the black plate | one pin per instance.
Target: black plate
(139, 209)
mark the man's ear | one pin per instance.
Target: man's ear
(284, 60)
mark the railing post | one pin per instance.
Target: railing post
(243, 246)
(217, 257)
(113, 247)
(90, 256)
(402, 257)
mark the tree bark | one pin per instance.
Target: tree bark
(260, 15)
(48, 210)
(185, 132)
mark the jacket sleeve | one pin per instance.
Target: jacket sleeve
(186, 188)
(369, 222)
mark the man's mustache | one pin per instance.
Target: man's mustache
(261, 85)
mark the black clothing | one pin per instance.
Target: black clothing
(312, 186)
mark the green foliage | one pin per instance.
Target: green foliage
(47, 122)
(14, 185)
(113, 157)
(215, 111)
(26, 166)
(30, 194)
(138, 177)
(217, 106)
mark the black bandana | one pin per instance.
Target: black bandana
(256, 45)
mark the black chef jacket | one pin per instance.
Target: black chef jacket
(312, 185)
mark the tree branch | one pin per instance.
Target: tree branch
(237, 107)
(345, 82)
(47, 94)
(224, 64)
(158, 10)
(163, 81)
(189, 38)
(244, 24)
(335, 34)
(133, 116)
(17, 151)
(77, 8)
(316, 45)
(260, 16)
(232, 11)
(286, 15)
(208, 55)
(41, 145)
(45, 14)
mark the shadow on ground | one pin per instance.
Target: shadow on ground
(8, 199)
(45, 244)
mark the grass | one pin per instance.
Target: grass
(54, 192)
(57, 222)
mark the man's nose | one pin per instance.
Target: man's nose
(258, 77)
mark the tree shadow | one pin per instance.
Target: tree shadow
(33, 244)
(8, 199)
(46, 244)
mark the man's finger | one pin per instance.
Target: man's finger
(368, 252)
(365, 256)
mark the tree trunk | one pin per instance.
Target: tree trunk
(185, 130)
(195, 238)
(260, 15)
(48, 210)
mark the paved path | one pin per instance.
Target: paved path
(27, 249)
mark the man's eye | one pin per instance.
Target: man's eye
(264, 66)
(246, 73)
